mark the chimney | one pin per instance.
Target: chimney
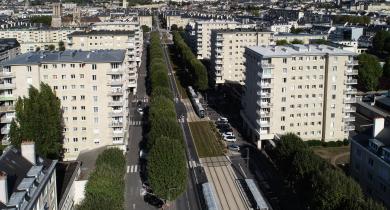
(3, 188)
(379, 124)
(28, 151)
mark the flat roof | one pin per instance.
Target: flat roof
(67, 56)
(297, 50)
(102, 32)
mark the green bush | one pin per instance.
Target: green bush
(105, 187)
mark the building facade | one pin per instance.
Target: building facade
(9, 48)
(203, 35)
(110, 40)
(370, 161)
(227, 52)
(32, 39)
(92, 86)
(32, 179)
(304, 89)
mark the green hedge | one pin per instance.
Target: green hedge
(167, 163)
(319, 185)
(105, 187)
(199, 78)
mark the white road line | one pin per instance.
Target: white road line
(132, 169)
(242, 171)
(128, 169)
(190, 163)
(194, 163)
(135, 168)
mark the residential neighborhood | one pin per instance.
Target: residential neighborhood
(194, 105)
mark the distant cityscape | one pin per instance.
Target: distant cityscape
(129, 104)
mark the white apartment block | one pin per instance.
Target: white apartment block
(31, 39)
(227, 52)
(110, 40)
(303, 89)
(92, 86)
(131, 24)
(203, 35)
(304, 37)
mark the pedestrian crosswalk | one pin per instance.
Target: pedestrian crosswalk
(132, 169)
(144, 100)
(193, 164)
(135, 122)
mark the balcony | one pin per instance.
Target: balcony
(349, 100)
(116, 114)
(115, 103)
(349, 119)
(352, 91)
(115, 71)
(352, 63)
(219, 44)
(6, 108)
(350, 109)
(116, 142)
(264, 75)
(115, 92)
(349, 128)
(267, 65)
(115, 124)
(7, 98)
(264, 104)
(6, 86)
(263, 94)
(4, 130)
(7, 74)
(5, 119)
(115, 82)
(263, 114)
(351, 72)
(264, 85)
(263, 124)
(350, 81)
(118, 134)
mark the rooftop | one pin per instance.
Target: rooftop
(297, 49)
(6, 44)
(242, 30)
(101, 32)
(67, 56)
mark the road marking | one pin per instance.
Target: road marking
(128, 169)
(132, 167)
(133, 205)
(242, 171)
(135, 168)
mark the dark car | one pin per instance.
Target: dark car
(139, 103)
(153, 200)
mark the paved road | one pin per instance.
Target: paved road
(191, 198)
(133, 198)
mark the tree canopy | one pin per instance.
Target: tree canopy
(38, 118)
(369, 71)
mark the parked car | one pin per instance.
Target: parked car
(222, 119)
(139, 103)
(234, 147)
(230, 138)
(153, 200)
(140, 111)
(225, 130)
(143, 154)
(227, 134)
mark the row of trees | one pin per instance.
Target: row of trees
(167, 172)
(285, 42)
(341, 19)
(198, 72)
(38, 118)
(105, 187)
(321, 186)
(370, 71)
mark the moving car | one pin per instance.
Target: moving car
(234, 147)
(230, 138)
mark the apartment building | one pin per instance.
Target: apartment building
(304, 37)
(27, 181)
(130, 24)
(203, 35)
(110, 40)
(92, 86)
(370, 160)
(9, 48)
(304, 89)
(32, 39)
(227, 52)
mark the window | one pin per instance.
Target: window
(284, 60)
(55, 87)
(282, 128)
(82, 107)
(29, 68)
(45, 66)
(94, 88)
(74, 118)
(73, 86)
(72, 76)
(81, 76)
(74, 107)
(370, 162)
(95, 109)
(95, 98)
(82, 97)
(73, 98)
(82, 86)
(332, 115)
(75, 140)
(72, 65)
(334, 96)
(64, 98)
(283, 109)
(283, 118)
(285, 70)
(94, 67)
(63, 65)
(284, 80)
(93, 77)
(45, 77)
(83, 118)
(64, 87)
(96, 119)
